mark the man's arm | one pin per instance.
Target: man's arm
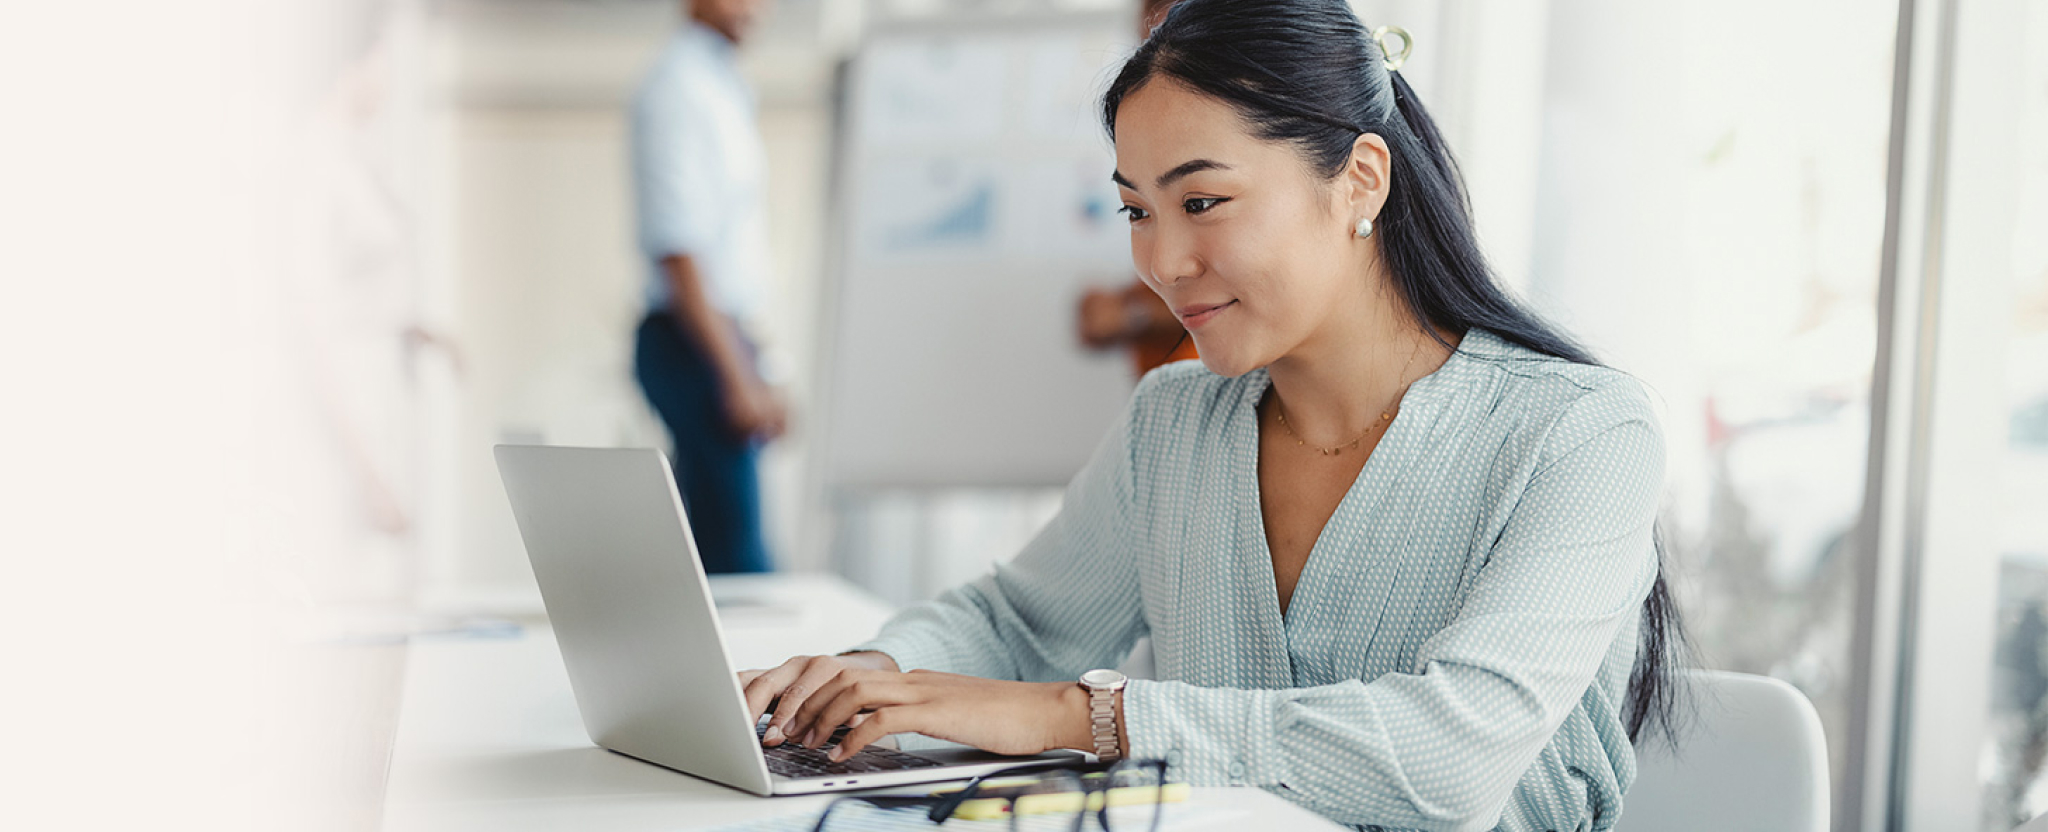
(750, 407)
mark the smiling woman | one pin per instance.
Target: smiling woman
(1393, 538)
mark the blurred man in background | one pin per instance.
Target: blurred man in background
(699, 180)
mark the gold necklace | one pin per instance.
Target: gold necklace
(1386, 416)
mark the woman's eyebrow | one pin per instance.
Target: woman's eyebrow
(1168, 178)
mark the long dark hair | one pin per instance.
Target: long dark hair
(1305, 72)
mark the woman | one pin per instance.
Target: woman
(1392, 538)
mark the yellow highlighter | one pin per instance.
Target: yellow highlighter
(999, 796)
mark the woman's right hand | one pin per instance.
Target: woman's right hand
(788, 685)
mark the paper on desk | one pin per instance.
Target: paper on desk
(861, 818)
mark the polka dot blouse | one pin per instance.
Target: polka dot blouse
(1457, 648)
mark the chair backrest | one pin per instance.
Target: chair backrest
(1755, 759)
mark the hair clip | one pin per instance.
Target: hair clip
(1392, 60)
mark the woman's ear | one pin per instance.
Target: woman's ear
(1368, 177)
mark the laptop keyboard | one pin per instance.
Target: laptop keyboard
(792, 760)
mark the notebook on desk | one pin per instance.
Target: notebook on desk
(626, 594)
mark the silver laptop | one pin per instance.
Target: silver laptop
(626, 595)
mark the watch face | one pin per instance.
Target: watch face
(1101, 678)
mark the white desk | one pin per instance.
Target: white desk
(489, 739)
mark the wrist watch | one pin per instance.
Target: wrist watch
(1102, 687)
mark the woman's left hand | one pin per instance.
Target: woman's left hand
(1003, 717)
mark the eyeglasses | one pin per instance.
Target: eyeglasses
(1128, 793)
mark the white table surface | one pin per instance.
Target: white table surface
(489, 738)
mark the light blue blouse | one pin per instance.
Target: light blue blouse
(1457, 649)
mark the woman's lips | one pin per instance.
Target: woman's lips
(1199, 314)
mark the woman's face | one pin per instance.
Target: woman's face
(1249, 247)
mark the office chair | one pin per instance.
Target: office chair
(1754, 759)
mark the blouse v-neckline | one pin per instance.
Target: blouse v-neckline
(1417, 415)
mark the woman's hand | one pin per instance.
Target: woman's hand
(1003, 717)
(824, 692)
(790, 684)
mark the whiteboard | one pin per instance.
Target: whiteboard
(973, 207)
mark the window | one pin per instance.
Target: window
(2014, 768)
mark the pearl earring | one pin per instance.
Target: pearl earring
(1364, 228)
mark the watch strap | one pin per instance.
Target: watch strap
(1102, 727)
